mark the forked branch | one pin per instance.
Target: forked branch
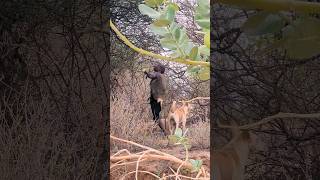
(270, 118)
(149, 154)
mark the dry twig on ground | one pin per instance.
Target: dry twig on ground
(124, 158)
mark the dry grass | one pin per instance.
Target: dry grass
(35, 145)
(145, 165)
(200, 135)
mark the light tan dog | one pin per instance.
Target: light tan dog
(179, 115)
(229, 162)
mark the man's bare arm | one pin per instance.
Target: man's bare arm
(152, 75)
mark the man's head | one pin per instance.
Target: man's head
(159, 68)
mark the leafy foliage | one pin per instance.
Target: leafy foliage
(196, 164)
(298, 37)
(173, 36)
(180, 138)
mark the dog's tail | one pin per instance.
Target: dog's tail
(160, 100)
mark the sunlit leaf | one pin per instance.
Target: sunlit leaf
(162, 31)
(204, 50)
(168, 43)
(193, 53)
(175, 54)
(187, 46)
(154, 3)
(203, 8)
(145, 10)
(202, 14)
(174, 37)
(161, 22)
(175, 6)
(183, 37)
(178, 132)
(177, 34)
(196, 164)
(204, 23)
(170, 13)
(174, 26)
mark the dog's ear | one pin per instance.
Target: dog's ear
(190, 105)
(173, 106)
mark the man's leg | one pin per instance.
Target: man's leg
(157, 113)
(156, 109)
(153, 104)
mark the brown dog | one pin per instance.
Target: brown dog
(179, 115)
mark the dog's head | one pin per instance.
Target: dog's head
(187, 105)
(173, 107)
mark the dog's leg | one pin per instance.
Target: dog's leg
(184, 121)
(177, 120)
(169, 123)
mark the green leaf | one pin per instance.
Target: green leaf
(161, 22)
(162, 31)
(187, 46)
(204, 23)
(201, 73)
(154, 3)
(204, 3)
(302, 38)
(175, 6)
(145, 10)
(168, 43)
(204, 50)
(263, 23)
(170, 13)
(177, 34)
(173, 26)
(203, 8)
(196, 164)
(151, 3)
(183, 140)
(183, 37)
(178, 132)
(176, 54)
(193, 53)
(202, 14)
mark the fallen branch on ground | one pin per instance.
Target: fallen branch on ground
(124, 157)
(197, 98)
